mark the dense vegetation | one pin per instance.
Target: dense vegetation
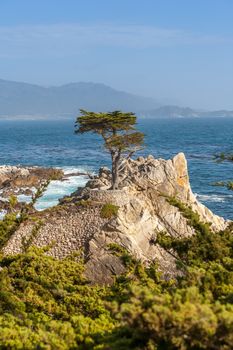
(48, 304)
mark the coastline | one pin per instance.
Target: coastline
(23, 182)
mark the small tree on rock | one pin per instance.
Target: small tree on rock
(118, 130)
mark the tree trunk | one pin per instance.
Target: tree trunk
(115, 169)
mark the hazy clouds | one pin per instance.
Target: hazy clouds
(179, 65)
(62, 39)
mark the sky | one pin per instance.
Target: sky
(177, 51)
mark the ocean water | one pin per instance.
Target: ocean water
(53, 143)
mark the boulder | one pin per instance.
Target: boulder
(146, 184)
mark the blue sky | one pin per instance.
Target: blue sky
(178, 51)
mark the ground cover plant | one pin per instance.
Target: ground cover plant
(48, 304)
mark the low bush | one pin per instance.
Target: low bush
(109, 210)
(48, 304)
(84, 203)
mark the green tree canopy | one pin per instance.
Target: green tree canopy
(118, 130)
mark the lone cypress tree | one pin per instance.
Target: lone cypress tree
(118, 131)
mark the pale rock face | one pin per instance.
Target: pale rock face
(9, 170)
(144, 211)
(146, 183)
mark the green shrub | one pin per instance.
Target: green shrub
(192, 217)
(109, 210)
(13, 200)
(7, 227)
(48, 304)
(84, 203)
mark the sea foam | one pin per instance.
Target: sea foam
(214, 197)
(57, 189)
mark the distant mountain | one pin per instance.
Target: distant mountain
(23, 99)
(27, 100)
(184, 112)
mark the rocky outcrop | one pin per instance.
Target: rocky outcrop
(144, 211)
(15, 180)
(15, 177)
(145, 187)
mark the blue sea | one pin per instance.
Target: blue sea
(53, 143)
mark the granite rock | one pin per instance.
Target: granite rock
(144, 211)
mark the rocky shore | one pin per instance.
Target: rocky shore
(18, 180)
(144, 209)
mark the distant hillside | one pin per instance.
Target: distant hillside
(22, 99)
(184, 112)
(27, 100)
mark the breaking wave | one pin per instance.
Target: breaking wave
(214, 197)
(57, 189)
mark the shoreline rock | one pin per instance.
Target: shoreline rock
(19, 180)
(144, 211)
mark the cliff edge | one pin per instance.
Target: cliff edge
(144, 209)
